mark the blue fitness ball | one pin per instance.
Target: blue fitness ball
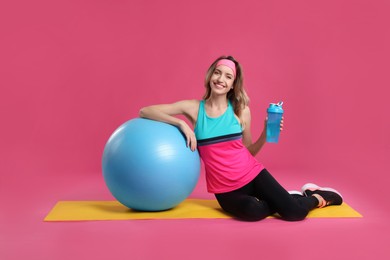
(148, 167)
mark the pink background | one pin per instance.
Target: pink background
(73, 71)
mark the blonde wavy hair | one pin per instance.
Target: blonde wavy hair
(237, 95)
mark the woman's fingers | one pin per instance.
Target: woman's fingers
(189, 135)
(191, 141)
(193, 145)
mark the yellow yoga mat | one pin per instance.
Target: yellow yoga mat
(188, 209)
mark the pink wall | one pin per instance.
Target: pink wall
(72, 71)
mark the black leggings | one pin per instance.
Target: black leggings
(263, 197)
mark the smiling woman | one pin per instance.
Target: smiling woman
(221, 121)
(228, 72)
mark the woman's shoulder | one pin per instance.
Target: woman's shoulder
(245, 116)
(245, 111)
(190, 103)
(190, 108)
(194, 101)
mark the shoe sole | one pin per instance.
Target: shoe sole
(295, 192)
(313, 187)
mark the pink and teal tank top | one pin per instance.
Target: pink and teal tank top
(228, 163)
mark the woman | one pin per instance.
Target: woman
(221, 120)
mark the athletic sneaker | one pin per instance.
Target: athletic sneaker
(330, 196)
(296, 194)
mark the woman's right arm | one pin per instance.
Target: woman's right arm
(166, 113)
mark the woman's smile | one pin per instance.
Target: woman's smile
(219, 85)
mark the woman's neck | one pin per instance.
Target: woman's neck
(217, 102)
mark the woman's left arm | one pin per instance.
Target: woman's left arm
(255, 147)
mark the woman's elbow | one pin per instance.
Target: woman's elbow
(143, 112)
(251, 150)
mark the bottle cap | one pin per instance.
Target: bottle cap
(275, 108)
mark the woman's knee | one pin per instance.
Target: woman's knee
(296, 214)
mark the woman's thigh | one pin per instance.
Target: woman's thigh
(243, 204)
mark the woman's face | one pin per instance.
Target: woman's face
(222, 79)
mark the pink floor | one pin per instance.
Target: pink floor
(24, 235)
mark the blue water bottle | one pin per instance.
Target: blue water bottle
(275, 113)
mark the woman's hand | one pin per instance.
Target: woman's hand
(281, 124)
(189, 135)
(265, 125)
